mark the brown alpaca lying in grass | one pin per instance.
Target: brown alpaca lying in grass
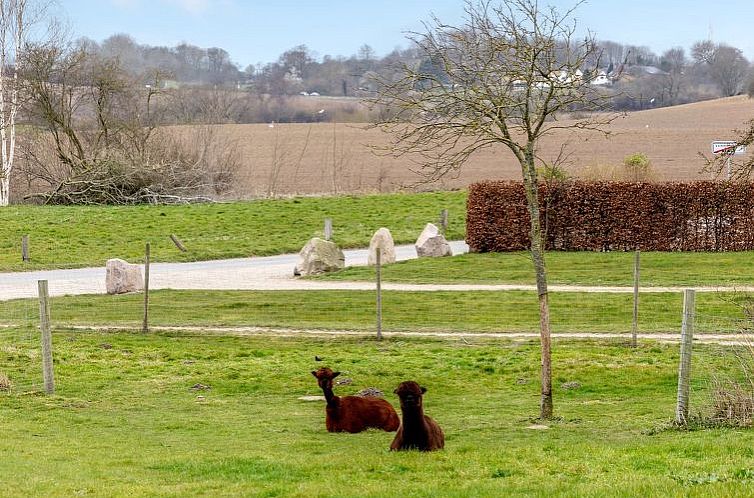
(354, 413)
(418, 431)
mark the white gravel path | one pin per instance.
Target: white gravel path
(263, 273)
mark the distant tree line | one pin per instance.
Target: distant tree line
(639, 78)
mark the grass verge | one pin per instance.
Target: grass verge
(125, 421)
(478, 311)
(577, 268)
(76, 236)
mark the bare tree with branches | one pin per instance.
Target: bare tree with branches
(508, 76)
(98, 138)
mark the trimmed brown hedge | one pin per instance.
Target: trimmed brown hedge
(614, 216)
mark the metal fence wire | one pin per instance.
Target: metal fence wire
(202, 298)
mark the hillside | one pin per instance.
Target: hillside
(335, 158)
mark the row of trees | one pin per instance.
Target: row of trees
(708, 70)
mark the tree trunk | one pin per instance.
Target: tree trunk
(538, 258)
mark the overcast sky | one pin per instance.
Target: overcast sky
(255, 31)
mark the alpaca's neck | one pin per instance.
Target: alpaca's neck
(414, 417)
(330, 396)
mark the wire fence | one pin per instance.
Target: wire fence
(587, 301)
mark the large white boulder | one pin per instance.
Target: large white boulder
(431, 243)
(122, 277)
(319, 256)
(383, 239)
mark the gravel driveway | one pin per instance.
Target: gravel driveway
(264, 273)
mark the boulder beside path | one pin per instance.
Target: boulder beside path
(319, 256)
(122, 277)
(431, 243)
(383, 240)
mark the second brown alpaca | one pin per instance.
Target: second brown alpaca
(417, 431)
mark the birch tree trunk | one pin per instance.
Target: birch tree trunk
(13, 26)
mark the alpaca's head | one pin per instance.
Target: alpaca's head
(324, 377)
(410, 394)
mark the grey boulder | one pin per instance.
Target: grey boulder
(122, 277)
(431, 243)
(319, 256)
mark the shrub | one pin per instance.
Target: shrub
(605, 216)
(552, 173)
(637, 167)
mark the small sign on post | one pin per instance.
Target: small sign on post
(728, 148)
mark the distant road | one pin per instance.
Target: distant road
(264, 273)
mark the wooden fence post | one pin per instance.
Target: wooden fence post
(177, 243)
(328, 228)
(635, 324)
(444, 221)
(25, 248)
(44, 326)
(378, 267)
(684, 366)
(145, 323)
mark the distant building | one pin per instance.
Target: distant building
(601, 79)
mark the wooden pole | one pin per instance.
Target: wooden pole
(328, 228)
(44, 326)
(145, 323)
(178, 243)
(635, 324)
(25, 248)
(684, 366)
(444, 221)
(378, 266)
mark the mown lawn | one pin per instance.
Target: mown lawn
(125, 420)
(580, 268)
(478, 311)
(75, 236)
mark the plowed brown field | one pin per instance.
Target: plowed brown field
(284, 159)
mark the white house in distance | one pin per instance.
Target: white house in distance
(601, 79)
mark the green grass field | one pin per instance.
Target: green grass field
(125, 421)
(75, 236)
(479, 311)
(579, 268)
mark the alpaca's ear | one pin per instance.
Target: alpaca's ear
(424, 389)
(335, 374)
(314, 373)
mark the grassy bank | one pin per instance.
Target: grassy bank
(125, 421)
(481, 311)
(581, 268)
(75, 236)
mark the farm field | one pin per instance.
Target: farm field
(335, 158)
(76, 236)
(178, 415)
